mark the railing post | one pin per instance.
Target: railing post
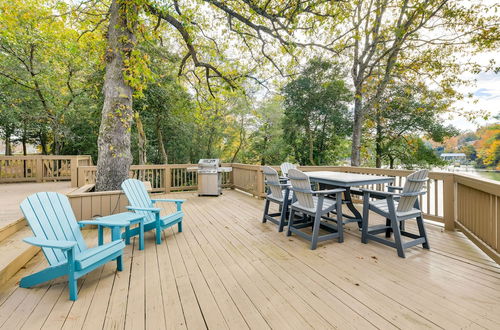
(231, 177)
(260, 183)
(167, 179)
(80, 177)
(73, 164)
(449, 201)
(39, 169)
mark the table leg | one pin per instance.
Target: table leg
(100, 235)
(141, 235)
(351, 207)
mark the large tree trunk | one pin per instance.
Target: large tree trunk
(378, 141)
(161, 144)
(391, 162)
(42, 136)
(24, 140)
(310, 145)
(114, 156)
(356, 131)
(264, 151)
(141, 140)
(8, 144)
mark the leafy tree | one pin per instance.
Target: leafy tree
(316, 113)
(414, 153)
(40, 56)
(488, 146)
(406, 113)
(267, 145)
(166, 110)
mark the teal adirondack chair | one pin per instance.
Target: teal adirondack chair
(58, 234)
(140, 202)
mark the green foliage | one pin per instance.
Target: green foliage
(396, 125)
(44, 70)
(267, 145)
(197, 84)
(317, 118)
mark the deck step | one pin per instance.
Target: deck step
(14, 253)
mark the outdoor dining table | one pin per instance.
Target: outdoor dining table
(347, 181)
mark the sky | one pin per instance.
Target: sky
(486, 99)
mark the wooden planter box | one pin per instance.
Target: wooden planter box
(88, 204)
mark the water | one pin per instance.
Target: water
(491, 174)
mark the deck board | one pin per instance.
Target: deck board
(228, 270)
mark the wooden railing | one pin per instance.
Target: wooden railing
(477, 207)
(163, 178)
(38, 168)
(471, 204)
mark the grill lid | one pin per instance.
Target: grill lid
(209, 163)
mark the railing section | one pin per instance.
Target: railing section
(38, 168)
(163, 178)
(471, 204)
(478, 212)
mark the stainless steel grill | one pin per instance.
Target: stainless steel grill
(210, 177)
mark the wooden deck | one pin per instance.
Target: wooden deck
(228, 270)
(12, 194)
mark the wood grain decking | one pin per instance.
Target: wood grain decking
(228, 270)
(12, 194)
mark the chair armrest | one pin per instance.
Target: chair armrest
(328, 191)
(416, 193)
(147, 209)
(392, 188)
(168, 200)
(378, 192)
(104, 223)
(63, 245)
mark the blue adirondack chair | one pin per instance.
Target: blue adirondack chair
(140, 202)
(58, 234)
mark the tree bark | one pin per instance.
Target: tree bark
(264, 151)
(310, 145)
(141, 140)
(114, 156)
(161, 144)
(42, 136)
(356, 131)
(24, 140)
(391, 162)
(378, 141)
(8, 145)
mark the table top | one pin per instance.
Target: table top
(347, 179)
(125, 216)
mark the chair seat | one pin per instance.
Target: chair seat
(280, 200)
(172, 218)
(381, 205)
(93, 255)
(328, 203)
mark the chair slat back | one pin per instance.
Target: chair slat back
(300, 181)
(137, 196)
(285, 167)
(273, 182)
(414, 183)
(51, 217)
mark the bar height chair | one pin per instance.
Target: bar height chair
(396, 208)
(285, 167)
(315, 205)
(278, 193)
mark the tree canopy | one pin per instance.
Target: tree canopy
(150, 81)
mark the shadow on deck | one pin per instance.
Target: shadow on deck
(228, 270)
